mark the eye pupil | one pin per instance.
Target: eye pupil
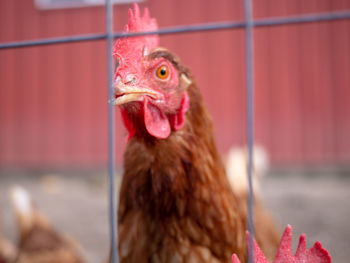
(162, 72)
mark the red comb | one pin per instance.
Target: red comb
(138, 23)
(130, 50)
(316, 254)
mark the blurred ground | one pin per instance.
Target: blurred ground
(77, 204)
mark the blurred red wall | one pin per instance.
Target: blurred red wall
(53, 99)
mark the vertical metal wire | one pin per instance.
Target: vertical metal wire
(111, 132)
(250, 120)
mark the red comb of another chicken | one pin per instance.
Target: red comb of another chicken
(316, 254)
(129, 51)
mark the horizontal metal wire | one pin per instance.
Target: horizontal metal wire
(51, 41)
(275, 21)
(299, 19)
(235, 25)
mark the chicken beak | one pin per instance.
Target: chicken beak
(125, 92)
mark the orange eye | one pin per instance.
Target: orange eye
(162, 72)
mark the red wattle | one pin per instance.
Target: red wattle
(178, 120)
(128, 124)
(156, 122)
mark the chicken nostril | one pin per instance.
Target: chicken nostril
(117, 80)
(130, 79)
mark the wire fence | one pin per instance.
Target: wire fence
(248, 24)
(266, 22)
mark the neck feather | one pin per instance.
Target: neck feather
(160, 173)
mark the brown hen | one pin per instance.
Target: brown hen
(176, 204)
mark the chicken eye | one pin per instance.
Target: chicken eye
(162, 72)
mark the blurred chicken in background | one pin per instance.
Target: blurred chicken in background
(39, 242)
(236, 168)
(236, 163)
(316, 254)
(7, 250)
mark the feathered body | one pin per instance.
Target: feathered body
(176, 204)
(175, 200)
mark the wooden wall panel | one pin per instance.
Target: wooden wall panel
(53, 109)
(7, 78)
(341, 88)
